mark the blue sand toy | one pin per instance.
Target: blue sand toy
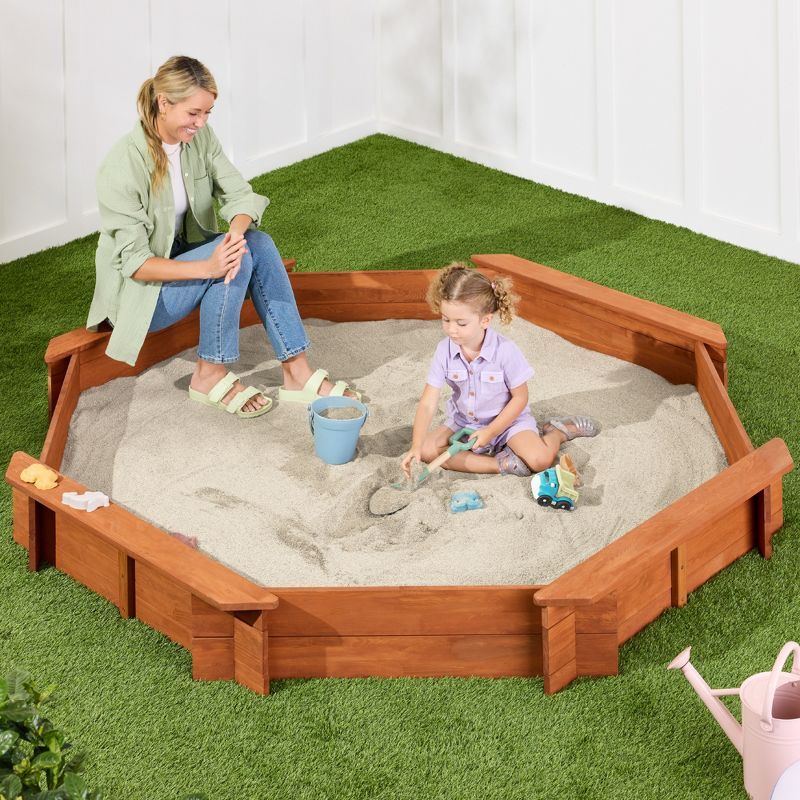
(465, 501)
(555, 487)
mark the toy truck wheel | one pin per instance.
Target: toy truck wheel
(544, 500)
(563, 505)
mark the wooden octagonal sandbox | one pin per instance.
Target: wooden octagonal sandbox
(236, 629)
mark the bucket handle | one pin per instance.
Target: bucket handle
(769, 697)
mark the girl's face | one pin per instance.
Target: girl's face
(179, 122)
(464, 325)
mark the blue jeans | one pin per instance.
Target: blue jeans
(262, 274)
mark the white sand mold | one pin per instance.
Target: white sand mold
(259, 500)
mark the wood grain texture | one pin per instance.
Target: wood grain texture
(20, 519)
(56, 439)
(405, 656)
(127, 585)
(405, 610)
(597, 654)
(694, 513)
(644, 314)
(189, 569)
(163, 604)
(87, 558)
(731, 432)
(678, 575)
(251, 654)
(212, 658)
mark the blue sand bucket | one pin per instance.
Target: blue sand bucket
(335, 440)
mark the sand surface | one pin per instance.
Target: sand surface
(259, 500)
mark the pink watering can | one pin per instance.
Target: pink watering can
(769, 737)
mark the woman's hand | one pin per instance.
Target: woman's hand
(227, 257)
(414, 454)
(234, 271)
(482, 437)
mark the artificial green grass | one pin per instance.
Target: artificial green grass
(126, 696)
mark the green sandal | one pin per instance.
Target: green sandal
(310, 391)
(237, 403)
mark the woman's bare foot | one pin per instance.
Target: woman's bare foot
(207, 375)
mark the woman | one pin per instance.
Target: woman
(160, 255)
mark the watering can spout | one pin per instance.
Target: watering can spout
(709, 696)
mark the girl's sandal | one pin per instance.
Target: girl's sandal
(573, 427)
(510, 463)
(237, 402)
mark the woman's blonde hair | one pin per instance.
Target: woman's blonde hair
(177, 78)
(457, 283)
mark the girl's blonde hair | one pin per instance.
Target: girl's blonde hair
(457, 283)
(177, 78)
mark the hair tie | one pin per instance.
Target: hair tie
(493, 285)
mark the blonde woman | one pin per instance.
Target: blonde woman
(160, 254)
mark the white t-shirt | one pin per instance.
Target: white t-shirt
(173, 152)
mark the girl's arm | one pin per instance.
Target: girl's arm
(514, 407)
(428, 404)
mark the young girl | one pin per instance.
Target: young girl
(488, 375)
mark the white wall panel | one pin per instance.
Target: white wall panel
(564, 85)
(340, 54)
(32, 136)
(103, 75)
(740, 146)
(199, 30)
(268, 77)
(410, 64)
(295, 79)
(648, 97)
(485, 75)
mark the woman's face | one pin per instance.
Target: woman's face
(179, 122)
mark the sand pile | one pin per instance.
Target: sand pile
(259, 500)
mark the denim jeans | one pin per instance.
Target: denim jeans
(262, 274)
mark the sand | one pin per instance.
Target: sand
(257, 498)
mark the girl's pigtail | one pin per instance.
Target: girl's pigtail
(505, 299)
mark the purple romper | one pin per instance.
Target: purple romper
(481, 388)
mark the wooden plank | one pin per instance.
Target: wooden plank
(572, 288)
(188, 568)
(671, 362)
(703, 549)
(600, 617)
(653, 579)
(735, 549)
(251, 654)
(405, 656)
(209, 622)
(20, 521)
(729, 428)
(56, 372)
(35, 534)
(597, 654)
(558, 644)
(163, 604)
(212, 658)
(405, 610)
(697, 511)
(127, 586)
(88, 559)
(56, 439)
(653, 607)
(557, 681)
(678, 575)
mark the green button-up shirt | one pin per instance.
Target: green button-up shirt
(137, 223)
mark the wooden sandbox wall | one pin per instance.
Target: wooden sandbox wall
(573, 626)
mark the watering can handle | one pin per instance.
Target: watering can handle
(769, 697)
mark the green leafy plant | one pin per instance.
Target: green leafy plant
(36, 763)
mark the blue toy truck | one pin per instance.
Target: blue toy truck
(555, 487)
